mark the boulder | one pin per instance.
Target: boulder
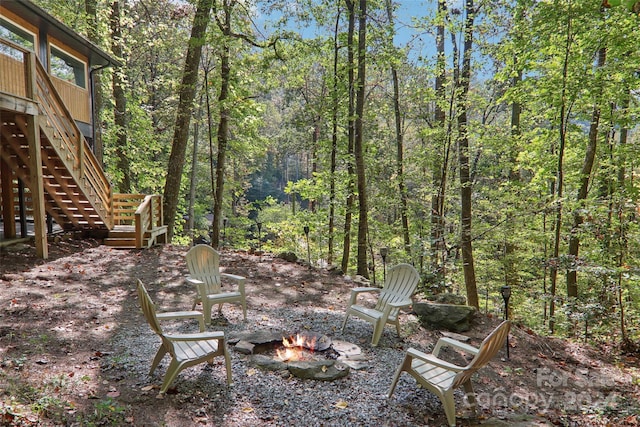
(452, 317)
(326, 370)
(288, 256)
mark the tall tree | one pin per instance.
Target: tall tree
(120, 109)
(335, 108)
(463, 157)
(346, 244)
(559, 184)
(399, 128)
(363, 227)
(585, 176)
(183, 116)
(440, 159)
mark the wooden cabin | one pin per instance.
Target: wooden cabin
(50, 178)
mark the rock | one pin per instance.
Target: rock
(449, 298)
(288, 256)
(257, 337)
(455, 318)
(267, 363)
(347, 350)
(325, 370)
(244, 347)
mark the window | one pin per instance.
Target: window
(67, 67)
(17, 35)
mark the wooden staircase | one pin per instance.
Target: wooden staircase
(77, 194)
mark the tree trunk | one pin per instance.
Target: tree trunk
(562, 133)
(350, 137)
(183, 117)
(120, 113)
(334, 141)
(585, 176)
(463, 156)
(510, 268)
(399, 144)
(359, 142)
(194, 167)
(439, 165)
(223, 124)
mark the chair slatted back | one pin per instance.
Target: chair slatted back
(400, 284)
(487, 351)
(148, 308)
(203, 263)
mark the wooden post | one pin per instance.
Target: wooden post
(35, 162)
(8, 202)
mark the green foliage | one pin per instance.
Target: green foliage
(281, 142)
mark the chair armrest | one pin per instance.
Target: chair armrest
(217, 335)
(171, 315)
(233, 277)
(430, 358)
(401, 304)
(240, 279)
(199, 286)
(357, 291)
(180, 315)
(445, 341)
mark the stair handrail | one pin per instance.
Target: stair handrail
(148, 216)
(83, 166)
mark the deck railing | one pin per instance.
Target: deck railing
(18, 78)
(143, 212)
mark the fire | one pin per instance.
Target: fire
(294, 347)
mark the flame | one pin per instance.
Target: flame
(294, 346)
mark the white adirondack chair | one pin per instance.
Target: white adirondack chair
(203, 263)
(185, 349)
(400, 284)
(441, 377)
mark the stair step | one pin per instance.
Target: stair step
(120, 243)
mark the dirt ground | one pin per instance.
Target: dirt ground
(65, 320)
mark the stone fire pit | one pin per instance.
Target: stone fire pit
(327, 361)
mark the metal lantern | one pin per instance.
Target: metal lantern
(384, 251)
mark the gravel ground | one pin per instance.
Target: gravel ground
(75, 350)
(259, 397)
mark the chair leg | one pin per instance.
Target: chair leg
(449, 405)
(244, 309)
(227, 363)
(378, 328)
(397, 322)
(156, 360)
(406, 362)
(172, 371)
(471, 396)
(345, 322)
(206, 310)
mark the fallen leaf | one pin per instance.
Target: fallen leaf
(247, 409)
(341, 404)
(324, 368)
(113, 394)
(147, 388)
(251, 372)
